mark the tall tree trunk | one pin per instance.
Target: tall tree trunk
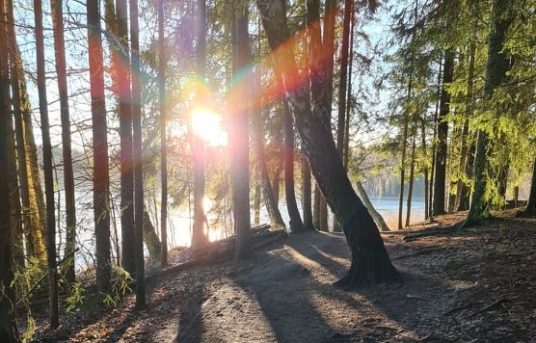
(17, 247)
(296, 224)
(163, 132)
(68, 177)
(239, 131)
(8, 325)
(47, 168)
(30, 185)
(442, 135)
(122, 79)
(346, 148)
(199, 237)
(411, 180)
(306, 194)
(137, 153)
(403, 157)
(322, 89)
(378, 219)
(370, 262)
(497, 65)
(101, 178)
(341, 118)
(434, 143)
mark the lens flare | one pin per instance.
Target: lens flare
(207, 125)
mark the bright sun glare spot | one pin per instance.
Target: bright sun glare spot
(208, 126)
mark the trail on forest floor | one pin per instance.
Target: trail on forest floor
(473, 285)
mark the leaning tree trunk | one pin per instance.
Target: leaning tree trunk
(378, 219)
(438, 206)
(101, 178)
(150, 238)
(30, 184)
(498, 64)
(68, 177)
(239, 132)
(296, 224)
(47, 169)
(370, 262)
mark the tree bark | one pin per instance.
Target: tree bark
(497, 65)
(442, 135)
(47, 169)
(101, 178)
(239, 132)
(370, 262)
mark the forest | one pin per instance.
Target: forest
(267, 171)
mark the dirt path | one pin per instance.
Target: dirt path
(475, 285)
(287, 297)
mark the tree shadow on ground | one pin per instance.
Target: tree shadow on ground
(293, 301)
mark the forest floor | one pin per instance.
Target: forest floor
(472, 285)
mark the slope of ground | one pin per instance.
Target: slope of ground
(471, 285)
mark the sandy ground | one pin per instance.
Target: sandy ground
(474, 285)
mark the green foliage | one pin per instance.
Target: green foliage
(76, 297)
(120, 287)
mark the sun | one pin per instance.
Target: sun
(207, 125)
